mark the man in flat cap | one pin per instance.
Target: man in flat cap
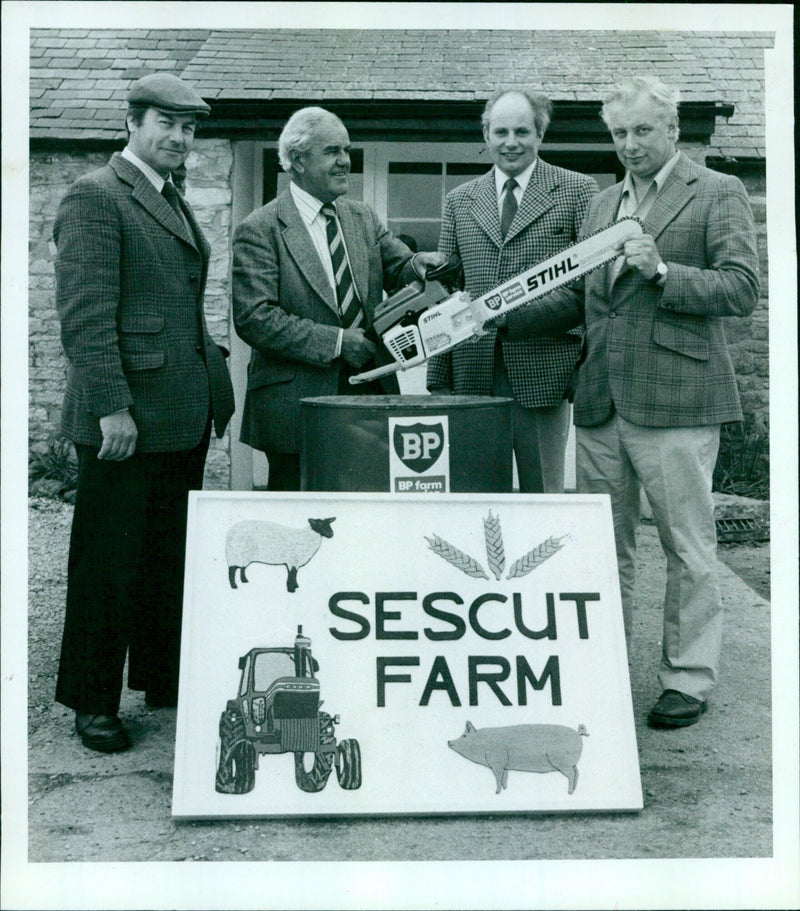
(145, 386)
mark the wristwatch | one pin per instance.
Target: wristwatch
(661, 273)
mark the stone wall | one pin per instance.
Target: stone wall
(208, 192)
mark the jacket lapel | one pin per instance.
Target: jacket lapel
(607, 214)
(301, 249)
(146, 195)
(484, 208)
(676, 193)
(609, 206)
(537, 199)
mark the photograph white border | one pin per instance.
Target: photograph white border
(745, 883)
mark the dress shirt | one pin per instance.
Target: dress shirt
(631, 203)
(153, 176)
(310, 209)
(522, 184)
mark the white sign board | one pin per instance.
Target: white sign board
(457, 654)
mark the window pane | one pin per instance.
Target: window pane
(425, 233)
(276, 180)
(459, 172)
(414, 189)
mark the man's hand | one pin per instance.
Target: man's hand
(425, 261)
(357, 349)
(642, 254)
(119, 436)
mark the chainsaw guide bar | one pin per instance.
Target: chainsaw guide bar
(421, 334)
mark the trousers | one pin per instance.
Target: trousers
(539, 437)
(125, 576)
(674, 466)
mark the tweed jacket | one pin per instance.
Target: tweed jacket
(659, 355)
(548, 218)
(130, 280)
(285, 309)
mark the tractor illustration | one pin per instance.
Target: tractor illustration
(277, 710)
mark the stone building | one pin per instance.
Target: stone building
(411, 101)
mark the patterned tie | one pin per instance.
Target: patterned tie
(350, 311)
(509, 206)
(169, 193)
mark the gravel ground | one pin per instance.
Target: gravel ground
(708, 788)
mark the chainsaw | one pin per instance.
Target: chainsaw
(430, 317)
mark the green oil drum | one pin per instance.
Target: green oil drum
(406, 443)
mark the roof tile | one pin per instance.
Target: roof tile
(408, 64)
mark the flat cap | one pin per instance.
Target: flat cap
(169, 93)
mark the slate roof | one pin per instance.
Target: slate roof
(80, 78)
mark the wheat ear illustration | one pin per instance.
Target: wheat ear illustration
(535, 557)
(456, 557)
(495, 552)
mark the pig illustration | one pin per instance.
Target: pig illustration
(523, 748)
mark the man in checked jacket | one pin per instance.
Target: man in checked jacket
(499, 231)
(657, 380)
(145, 384)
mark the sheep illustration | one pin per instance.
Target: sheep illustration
(267, 542)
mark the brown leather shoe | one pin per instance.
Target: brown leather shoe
(103, 733)
(676, 710)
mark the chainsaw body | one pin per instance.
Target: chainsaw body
(427, 318)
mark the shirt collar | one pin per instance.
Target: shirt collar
(153, 176)
(308, 206)
(522, 179)
(658, 180)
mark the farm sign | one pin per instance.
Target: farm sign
(375, 654)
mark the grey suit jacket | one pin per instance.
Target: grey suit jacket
(130, 280)
(659, 355)
(548, 218)
(285, 309)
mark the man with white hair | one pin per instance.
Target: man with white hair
(656, 381)
(309, 268)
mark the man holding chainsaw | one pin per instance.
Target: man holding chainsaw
(523, 211)
(309, 269)
(656, 380)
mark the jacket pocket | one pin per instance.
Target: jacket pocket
(681, 340)
(139, 343)
(142, 360)
(273, 373)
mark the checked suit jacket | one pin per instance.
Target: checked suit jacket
(130, 280)
(659, 355)
(548, 218)
(285, 308)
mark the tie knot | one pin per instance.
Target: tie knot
(511, 185)
(170, 193)
(328, 211)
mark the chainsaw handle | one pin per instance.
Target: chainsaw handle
(450, 274)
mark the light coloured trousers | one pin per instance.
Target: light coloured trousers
(674, 465)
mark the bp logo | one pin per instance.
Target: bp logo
(493, 301)
(418, 446)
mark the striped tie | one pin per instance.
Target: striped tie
(350, 311)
